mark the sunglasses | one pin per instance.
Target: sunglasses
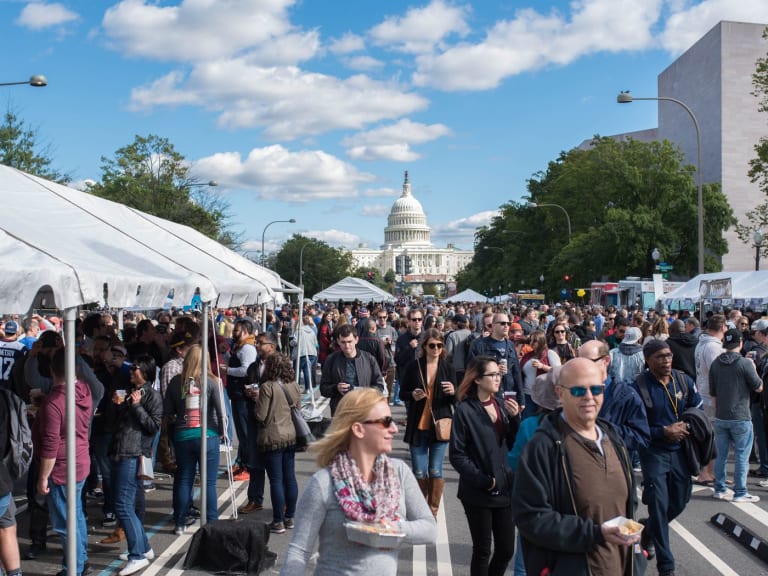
(598, 358)
(502, 323)
(559, 331)
(385, 422)
(382, 317)
(492, 374)
(489, 326)
(135, 367)
(580, 391)
(435, 346)
(416, 319)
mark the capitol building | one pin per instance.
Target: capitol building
(408, 248)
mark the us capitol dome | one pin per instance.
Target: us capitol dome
(408, 248)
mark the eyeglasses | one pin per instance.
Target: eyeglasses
(598, 358)
(580, 391)
(559, 331)
(492, 375)
(502, 323)
(435, 345)
(489, 325)
(385, 422)
(382, 317)
(416, 319)
(662, 357)
(135, 367)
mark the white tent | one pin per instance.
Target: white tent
(467, 295)
(350, 289)
(744, 288)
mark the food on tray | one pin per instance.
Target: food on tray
(630, 527)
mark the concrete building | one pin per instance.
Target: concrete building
(408, 249)
(714, 78)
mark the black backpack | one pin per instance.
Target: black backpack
(19, 454)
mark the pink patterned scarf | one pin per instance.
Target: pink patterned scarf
(363, 502)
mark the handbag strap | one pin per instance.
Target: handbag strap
(423, 383)
(287, 398)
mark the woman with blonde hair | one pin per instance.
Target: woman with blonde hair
(182, 408)
(357, 482)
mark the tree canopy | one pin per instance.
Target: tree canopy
(151, 176)
(19, 148)
(323, 264)
(623, 199)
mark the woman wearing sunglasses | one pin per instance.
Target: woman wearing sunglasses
(138, 416)
(358, 482)
(483, 432)
(428, 385)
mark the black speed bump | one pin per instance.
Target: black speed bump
(742, 535)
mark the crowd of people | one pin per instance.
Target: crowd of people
(549, 416)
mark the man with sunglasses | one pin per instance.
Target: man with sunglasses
(407, 345)
(666, 473)
(572, 476)
(388, 335)
(498, 346)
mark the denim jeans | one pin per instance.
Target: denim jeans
(666, 491)
(240, 419)
(57, 508)
(306, 367)
(490, 526)
(187, 460)
(519, 562)
(100, 444)
(283, 488)
(148, 483)
(126, 486)
(256, 465)
(427, 455)
(740, 433)
(758, 429)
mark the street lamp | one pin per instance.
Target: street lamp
(38, 81)
(493, 248)
(301, 265)
(656, 255)
(291, 221)
(758, 238)
(567, 217)
(541, 281)
(212, 183)
(626, 98)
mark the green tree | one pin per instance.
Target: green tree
(758, 166)
(19, 149)
(371, 275)
(623, 199)
(323, 264)
(150, 175)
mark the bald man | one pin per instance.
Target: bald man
(622, 405)
(573, 475)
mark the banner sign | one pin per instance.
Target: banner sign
(720, 289)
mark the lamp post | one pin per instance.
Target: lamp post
(758, 238)
(567, 217)
(38, 81)
(291, 221)
(541, 281)
(626, 98)
(211, 183)
(301, 265)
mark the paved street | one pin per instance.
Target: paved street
(701, 549)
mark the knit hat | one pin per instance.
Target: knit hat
(653, 346)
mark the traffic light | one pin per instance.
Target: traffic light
(371, 275)
(567, 277)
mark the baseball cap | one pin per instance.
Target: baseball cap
(515, 326)
(632, 335)
(760, 325)
(11, 328)
(181, 339)
(732, 339)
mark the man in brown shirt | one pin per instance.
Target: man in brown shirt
(573, 476)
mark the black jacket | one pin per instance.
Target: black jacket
(334, 371)
(513, 380)
(136, 425)
(683, 348)
(442, 403)
(699, 446)
(479, 458)
(552, 532)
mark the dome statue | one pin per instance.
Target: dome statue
(407, 223)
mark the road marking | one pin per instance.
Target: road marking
(444, 567)
(701, 548)
(755, 511)
(420, 560)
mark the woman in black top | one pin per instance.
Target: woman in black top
(483, 432)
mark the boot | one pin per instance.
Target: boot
(436, 486)
(117, 536)
(424, 485)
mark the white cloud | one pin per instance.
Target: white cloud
(39, 15)
(532, 40)
(463, 229)
(277, 173)
(378, 192)
(286, 101)
(376, 210)
(197, 30)
(687, 24)
(393, 142)
(334, 237)
(346, 44)
(363, 63)
(421, 28)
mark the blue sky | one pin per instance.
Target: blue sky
(313, 110)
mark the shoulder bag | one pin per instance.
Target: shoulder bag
(304, 436)
(442, 425)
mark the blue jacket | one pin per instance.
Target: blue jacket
(623, 407)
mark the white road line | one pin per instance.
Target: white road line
(701, 548)
(162, 560)
(444, 567)
(755, 511)
(419, 560)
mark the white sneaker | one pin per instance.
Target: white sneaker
(746, 498)
(134, 566)
(722, 495)
(149, 555)
(763, 483)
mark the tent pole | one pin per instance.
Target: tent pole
(72, 495)
(204, 420)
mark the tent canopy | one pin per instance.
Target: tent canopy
(350, 289)
(745, 286)
(467, 295)
(81, 249)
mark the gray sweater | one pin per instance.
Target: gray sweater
(319, 517)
